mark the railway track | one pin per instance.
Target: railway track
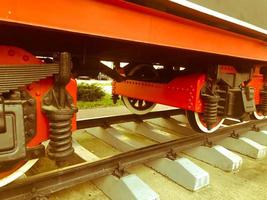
(138, 139)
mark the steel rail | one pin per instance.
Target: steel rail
(47, 183)
(103, 121)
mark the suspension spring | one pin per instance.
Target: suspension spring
(210, 109)
(263, 105)
(60, 145)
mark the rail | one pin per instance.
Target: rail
(41, 185)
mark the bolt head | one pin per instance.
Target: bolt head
(47, 101)
(31, 101)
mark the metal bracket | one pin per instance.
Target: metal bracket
(2, 116)
(255, 128)
(35, 152)
(36, 196)
(172, 155)
(13, 139)
(248, 99)
(235, 134)
(119, 171)
(207, 142)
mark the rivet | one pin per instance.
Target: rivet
(29, 87)
(25, 58)
(31, 101)
(11, 52)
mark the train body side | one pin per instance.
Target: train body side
(246, 10)
(121, 20)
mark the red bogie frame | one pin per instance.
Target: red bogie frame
(257, 81)
(13, 55)
(182, 92)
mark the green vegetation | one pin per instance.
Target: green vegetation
(102, 84)
(105, 101)
(92, 96)
(90, 93)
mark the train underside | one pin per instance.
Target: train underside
(212, 75)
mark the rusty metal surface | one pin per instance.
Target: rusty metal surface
(46, 183)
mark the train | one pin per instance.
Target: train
(178, 53)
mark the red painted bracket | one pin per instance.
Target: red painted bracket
(182, 92)
(257, 82)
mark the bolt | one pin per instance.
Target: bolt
(23, 94)
(25, 58)
(31, 101)
(36, 153)
(29, 87)
(47, 101)
(40, 197)
(31, 117)
(69, 99)
(30, 133)
(11, 52)
(15, 95)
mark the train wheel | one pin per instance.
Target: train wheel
(258, 115)
(138, 106)
(142, 72)
(13, 171)
(197, 123)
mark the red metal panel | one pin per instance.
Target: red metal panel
(257, 82)
(182, 92)
(227, 69)
(122, 20)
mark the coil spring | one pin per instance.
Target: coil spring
(60, 145)
(210, 109)
(264, 100)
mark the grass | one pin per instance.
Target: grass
(105, 101)
(103, 84)
(100, 84)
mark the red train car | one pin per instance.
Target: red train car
(208, 64)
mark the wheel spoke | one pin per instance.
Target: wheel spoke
(140, 103)
(133, 101)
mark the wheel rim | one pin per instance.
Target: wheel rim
(258, 115)
(138, 106)
(197, 123)
(15, 171)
